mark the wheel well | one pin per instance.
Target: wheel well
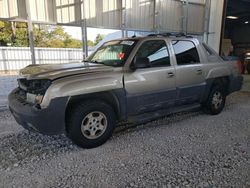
(107, 97)
(224, 81)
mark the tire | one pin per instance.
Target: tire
(216, 100)
(91, 124)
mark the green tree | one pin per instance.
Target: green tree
(20, 34)
(52, 37)
(72, 43)
(5, 33)
(98, 38)
(91, 43)
(40, 36)
(16, 34)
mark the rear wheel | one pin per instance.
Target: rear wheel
(91, 124)
(216, 100)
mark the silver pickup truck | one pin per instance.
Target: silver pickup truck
(130, 80)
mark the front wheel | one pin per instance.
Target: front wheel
(216, 100)
(91, 124)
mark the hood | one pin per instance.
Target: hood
(55, 71)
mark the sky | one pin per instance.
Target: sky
(76, 33)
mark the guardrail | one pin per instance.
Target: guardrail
(15, 58)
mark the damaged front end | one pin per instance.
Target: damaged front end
(32, 91)
(24, 104)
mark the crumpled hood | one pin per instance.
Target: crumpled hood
(55, 71)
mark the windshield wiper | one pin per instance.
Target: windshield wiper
(96, 62)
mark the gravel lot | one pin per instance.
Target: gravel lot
(7, 84)
(189, 149)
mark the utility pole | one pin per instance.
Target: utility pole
(84, 39)
(185, 5)
(30, 32)
(186, 26)
(206, 21)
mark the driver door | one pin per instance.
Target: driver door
(151, 88)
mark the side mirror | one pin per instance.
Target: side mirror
(142, 62)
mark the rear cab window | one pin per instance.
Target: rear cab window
(185, 52)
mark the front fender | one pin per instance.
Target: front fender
(79, 85)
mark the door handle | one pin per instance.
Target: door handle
(170, 74)
(199, 71)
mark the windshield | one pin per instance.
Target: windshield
(113, 53)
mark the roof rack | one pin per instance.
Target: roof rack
(169, 35)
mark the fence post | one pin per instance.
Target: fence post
(84, 38)
(39, 59)
(70, 51)
(30, 31)
(4, 59)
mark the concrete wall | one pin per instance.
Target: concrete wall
(215, 23)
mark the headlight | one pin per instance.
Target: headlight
(34, 89)
(34, 99)
(34, 86)
(38, 99)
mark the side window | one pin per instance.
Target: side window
(185, 52)
(156, 51)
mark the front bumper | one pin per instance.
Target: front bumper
(235, 83)
(49, 121)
